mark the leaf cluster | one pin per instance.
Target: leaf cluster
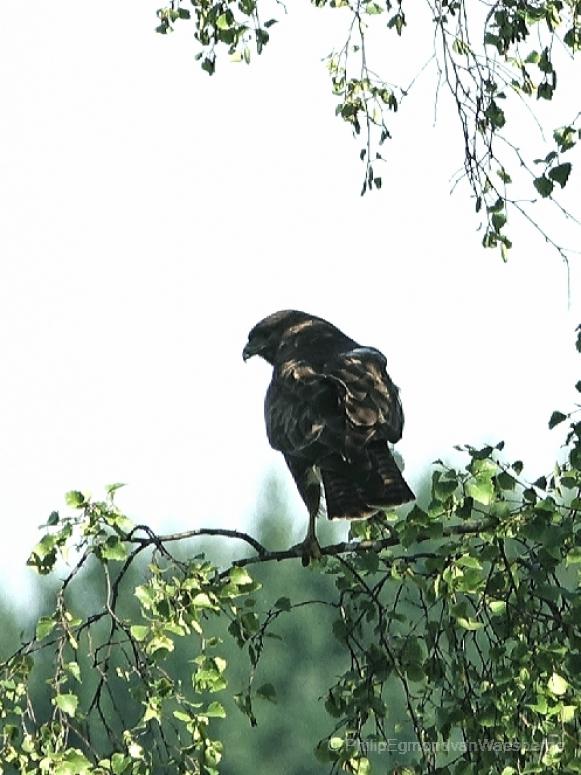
(491, 59)
(462, 618)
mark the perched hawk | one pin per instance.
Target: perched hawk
(331, 409)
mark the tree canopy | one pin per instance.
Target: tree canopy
(499, 62)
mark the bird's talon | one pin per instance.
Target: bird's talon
(310, 550)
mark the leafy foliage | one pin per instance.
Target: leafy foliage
(106, 661)
(463, 614)
(492, 59)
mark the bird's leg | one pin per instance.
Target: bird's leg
(308, 481)
(310, 547)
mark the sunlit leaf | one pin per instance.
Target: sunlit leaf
(67, 703)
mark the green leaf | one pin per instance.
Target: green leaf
(283, 604)
(119, 763)
(541, 483)
(415, 672)
(467, 561)
(160, 643)
(44, 627)
(557, 684)
(120, 521)
(398, 21)
(545, 91)
(565, 137)
(152, 710)
(543, 185)
(442, 486)
(497, 607)
(222, 22)
(139, 631)
(491, 40)
(556, 418)
(498, 221)
(113, 549)
(481, 489)
(373, 9)
(112, 488)
(75, 499)
(201, 600)
(545, 64)
(262, 38)
(209, 65)
(540, 706)
(505, 481)
(469, 624)
(45, 547)
(250, 621)
(240, 577)
(74, 762)
(146, 596)
(215, 710)
(67, 703)
(74, 669)
(560, 174)
(174, 628)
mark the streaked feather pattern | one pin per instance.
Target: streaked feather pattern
(331, 409)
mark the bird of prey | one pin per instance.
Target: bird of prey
(331, 409)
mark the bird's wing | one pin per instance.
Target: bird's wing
(370, 399)
(336, 406)
(301, 407)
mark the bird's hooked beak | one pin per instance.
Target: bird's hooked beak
(248, 352)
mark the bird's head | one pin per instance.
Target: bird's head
(265, 338)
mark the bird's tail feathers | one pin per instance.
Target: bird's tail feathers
(365, 491)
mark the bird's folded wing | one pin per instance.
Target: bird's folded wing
(339, 404)
(370, 398)
(301, 407)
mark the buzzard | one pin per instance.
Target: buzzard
(331, 409)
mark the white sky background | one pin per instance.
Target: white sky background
(150, 215)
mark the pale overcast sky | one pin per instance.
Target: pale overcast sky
(150, 215)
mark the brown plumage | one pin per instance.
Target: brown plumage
(331, 409)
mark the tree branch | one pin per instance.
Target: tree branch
(204, 531)
(359, 547)
(265, 555)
